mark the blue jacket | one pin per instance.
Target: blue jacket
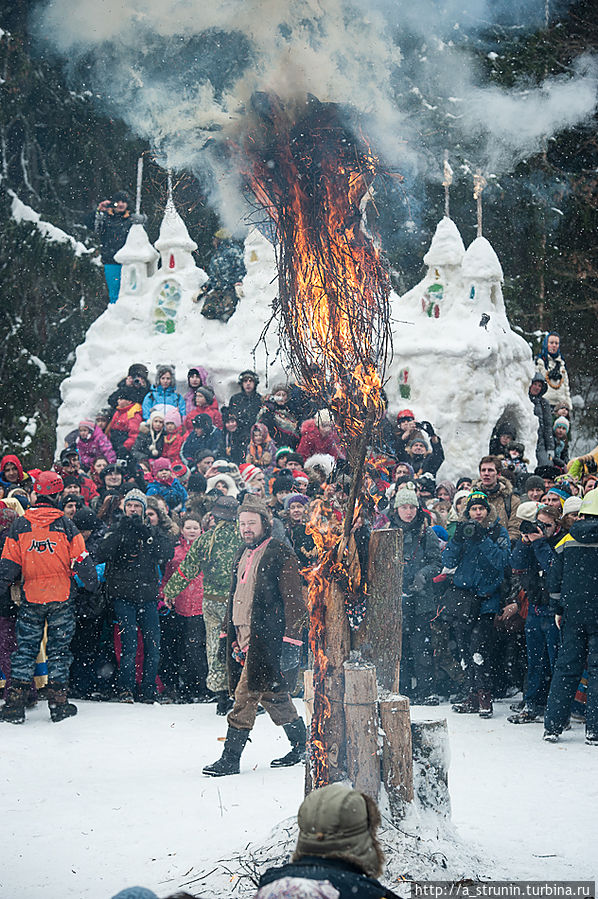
(480, 564)
(532, 563)
(195, 444)
(173, 494)
(158, 396)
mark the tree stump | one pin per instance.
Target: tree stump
(397, 762)
(382, 637)
(361, 719)
(431, 759)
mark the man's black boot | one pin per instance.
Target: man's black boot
(13, 710)
(60, 707)
(297, 735)
(231, 754)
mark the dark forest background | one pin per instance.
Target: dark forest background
(60, 154)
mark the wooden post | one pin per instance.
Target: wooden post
(361, 717)
(381, 640)
(430, 765)
(337, 649)
(397, 762)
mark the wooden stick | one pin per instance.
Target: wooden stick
(337, 652)
(361, 717)
(397, 763)
(381, 643)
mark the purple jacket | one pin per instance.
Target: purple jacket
(97, 445)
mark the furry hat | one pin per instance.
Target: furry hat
(225, 508)
(338, 822)
(160, 369)
(138, 370)
(320, 460)
(324, 418)
(226, 478)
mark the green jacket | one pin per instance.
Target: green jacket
(213, 554)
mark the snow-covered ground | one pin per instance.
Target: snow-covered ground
(115, 797)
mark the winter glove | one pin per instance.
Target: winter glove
(222, 649)
(419, 582)
(237, 653)
(458, 536)
(479, 532)
(427, 427)
(290, 656)
(576, 468)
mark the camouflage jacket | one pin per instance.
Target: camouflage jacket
(226, 267)
(213, 554)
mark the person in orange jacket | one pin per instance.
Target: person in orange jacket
(45, 550)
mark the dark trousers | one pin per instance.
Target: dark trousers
(129, 617)
(417, 660)
(580, 641)
(170, 652)
(194, 661)
(85, 649)
(475, 645)
(542, 641)
(31, 620)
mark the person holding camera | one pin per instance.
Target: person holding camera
(111, 223)
(533, 556)
(479, 553)
(137, 379)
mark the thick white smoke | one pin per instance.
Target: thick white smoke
(181, 71)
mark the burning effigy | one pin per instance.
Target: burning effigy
(313, 177)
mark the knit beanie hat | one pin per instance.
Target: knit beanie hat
(572, 505)
(419, 438)
(197, 483)
(172, 415)
(135, 893)
(204, 422)
(406, 496)
(534, 481)
(85, 519)
(135, 496)
(459, 495)
(527, 511)
(207, 393)
(295, 498)
(477, 498)
(90, 424)
(338, 822)
(7, 516)
(248, 471)
(561, 422)
(160, 464)
(283, 451)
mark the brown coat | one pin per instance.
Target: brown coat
(278, 611)
(505, 503)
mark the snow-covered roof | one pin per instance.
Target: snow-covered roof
(447, 247)
(481, 262)
(137, 247)
(173, 231)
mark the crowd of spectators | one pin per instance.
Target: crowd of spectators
(153, 483)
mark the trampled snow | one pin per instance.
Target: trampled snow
(115, 797)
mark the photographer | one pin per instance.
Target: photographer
(137, 379)
(111, 223)
(479, 552)
(533, 555)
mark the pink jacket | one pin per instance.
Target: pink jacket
(190, 601)
(312, 443)
(97, 445)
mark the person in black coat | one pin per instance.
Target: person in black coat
(137, 380)
(573, 585)
(543, 412)
(246, 403)
(336, 846)
(112, 222)
(136, 555)
(204, 436)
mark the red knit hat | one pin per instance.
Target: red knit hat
(248, 471)
(405, 414)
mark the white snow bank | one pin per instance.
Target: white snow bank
(23, 213)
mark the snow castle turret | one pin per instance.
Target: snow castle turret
(138, 259)
(457, 363)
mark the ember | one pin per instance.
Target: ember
(314, 178)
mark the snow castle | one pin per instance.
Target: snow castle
(456, 363)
